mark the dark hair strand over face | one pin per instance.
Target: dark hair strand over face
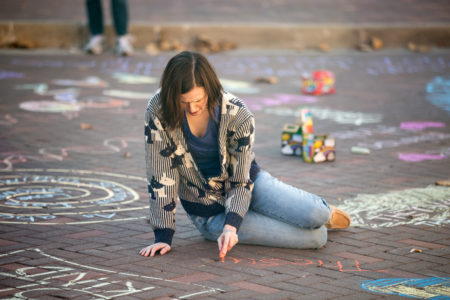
(183, 72)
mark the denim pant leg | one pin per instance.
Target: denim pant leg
(95, 16)
(120, 15)
(257, 229)
(278, 200)
(280, 215)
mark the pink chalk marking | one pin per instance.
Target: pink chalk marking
(275, 262)
(257, 104)
(421, 125)
(415, 157)
(288, 98)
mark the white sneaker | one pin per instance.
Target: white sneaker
(124, 46)
(95, 45)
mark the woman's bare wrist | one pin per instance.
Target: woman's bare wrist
(229, 228)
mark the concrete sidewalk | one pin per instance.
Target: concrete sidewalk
(250, 24)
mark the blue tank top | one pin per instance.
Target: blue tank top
(205, 149)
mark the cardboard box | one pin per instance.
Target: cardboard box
(318, 148)
(291, 139)
(299, 140)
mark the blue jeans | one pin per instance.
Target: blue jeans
(280, 215)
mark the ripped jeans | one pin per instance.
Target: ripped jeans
(280, 215)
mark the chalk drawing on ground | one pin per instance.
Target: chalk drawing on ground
(256, 65)
(8, 120)
(37, 88)
(127, 94)
(438, 92)
(347, 265)
(258, 103)
(49, 106)
(419, 288)
(407, 140)
(381, 137)
(9, 159)
(4, 74)
(417, 206)
(367, 132)
(421, 125)
(338, 116)
(236, 86)
(59, 196)
(60, 277)
(417, 157)
(91, 81)
(134, 79)
(437, 154)
(110, 145)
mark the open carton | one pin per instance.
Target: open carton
(298, 139)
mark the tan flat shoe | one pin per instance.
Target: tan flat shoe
(339, 219)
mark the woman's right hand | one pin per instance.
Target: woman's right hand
(151, 250)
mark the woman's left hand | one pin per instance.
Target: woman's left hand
(227, 240)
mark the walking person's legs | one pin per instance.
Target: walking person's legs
(95, 23)
(120, 16)
(95, 16)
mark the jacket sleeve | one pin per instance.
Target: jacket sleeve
(162, 178)
(241, 155)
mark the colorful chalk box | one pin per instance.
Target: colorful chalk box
(321, 82)
(299, 140)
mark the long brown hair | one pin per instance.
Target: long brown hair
(183, 72)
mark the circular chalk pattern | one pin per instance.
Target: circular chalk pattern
(58, 196)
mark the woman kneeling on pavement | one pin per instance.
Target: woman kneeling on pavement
(199, 148)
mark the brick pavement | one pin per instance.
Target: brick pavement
(74, 208)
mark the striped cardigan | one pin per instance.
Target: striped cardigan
(172, 171)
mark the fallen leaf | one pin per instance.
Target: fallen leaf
(376, 43)
(324, 47)
(203, 43)
(269, 79)
(85, 126)
(227, 45)
(415, 250)
(419, 48)
(127, 155)
(152, 49)
(365, 47)
(412, 47)
(424, 49)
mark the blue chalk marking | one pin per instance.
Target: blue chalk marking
(438, 92)
(388, 285)
(4, 74)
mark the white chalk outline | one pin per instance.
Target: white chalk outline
(131, 289)
(80, 173)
